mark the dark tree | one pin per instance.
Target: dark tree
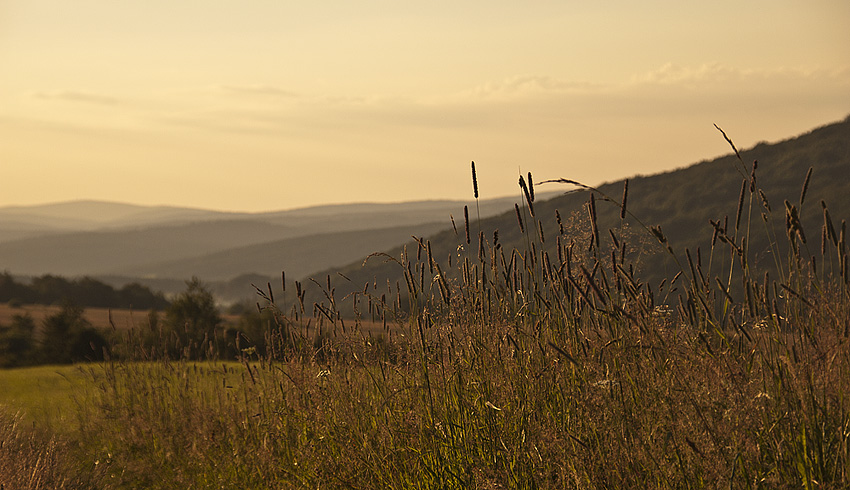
(139, 297)
(17, 342)
(93, 293)
(11, 290)
(52, 289)
(68, 337)
(194, 318)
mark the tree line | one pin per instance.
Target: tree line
(190, 327)
(63, 337)
(85, 292)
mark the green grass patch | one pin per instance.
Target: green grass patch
(49, 396)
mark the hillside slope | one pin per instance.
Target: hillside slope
(105, 252)
(297, 256)
(681, 202)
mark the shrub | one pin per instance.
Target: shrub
(68, 337)
(193, 318)
(17, 342)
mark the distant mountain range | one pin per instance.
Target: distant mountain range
(18, 222)
(163, 246)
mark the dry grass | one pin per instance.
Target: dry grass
(31, 459)
(514, 369)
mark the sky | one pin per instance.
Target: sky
(265, 105)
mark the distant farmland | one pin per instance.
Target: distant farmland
(127, 319)
(98, 317)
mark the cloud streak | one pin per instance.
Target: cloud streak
(714, 76)
(76, 96)
(516, 102)
(717, 74)
(528, 86)
(259, 90)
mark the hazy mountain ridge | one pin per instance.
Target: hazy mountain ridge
(166, 245)
(103, 212)
(93, 216)
(106, 252)
(298, 256)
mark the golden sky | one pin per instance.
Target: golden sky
(265, 105)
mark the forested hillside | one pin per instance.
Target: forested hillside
(85, 292)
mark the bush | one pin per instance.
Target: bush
(68, 337)
(193, 319)
(17, 342)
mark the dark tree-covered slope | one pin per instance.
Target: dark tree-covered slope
(681, 202)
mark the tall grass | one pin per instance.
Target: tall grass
(550, 365)
(32, 459)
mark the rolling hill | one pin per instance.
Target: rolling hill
(298, 256)
(162, 246)
(681, 202)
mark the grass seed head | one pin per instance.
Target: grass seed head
(474, 181)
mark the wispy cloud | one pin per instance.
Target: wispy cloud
(261, 90)
(521, 102)
(712, 76)
(522, 86)
(718, 74)
(75, 96)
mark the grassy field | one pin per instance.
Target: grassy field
(514, 369)
(47, 395)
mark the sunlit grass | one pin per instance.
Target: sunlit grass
(536, 367)
(47, 395)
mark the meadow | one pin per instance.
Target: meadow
(507, 368)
